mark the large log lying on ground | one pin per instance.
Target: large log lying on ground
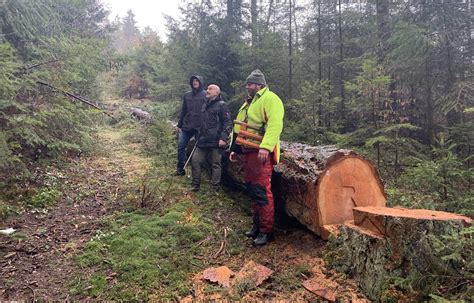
(387, 244)
(140, 114)
(321, 185)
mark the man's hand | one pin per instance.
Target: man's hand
(233, 157)
(222, 143)
(263, 155)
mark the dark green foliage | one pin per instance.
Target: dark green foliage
(456, 251)
(45, 40)
(442, 183)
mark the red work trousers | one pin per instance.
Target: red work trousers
(258, 181)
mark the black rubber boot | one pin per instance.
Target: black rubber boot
(179, 173)
(253, 233)
(262, 239)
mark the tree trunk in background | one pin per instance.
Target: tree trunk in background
(230, 13)
(233, 17)
(290, 55)
(383, 30)
(429, 106)
(342, 93)
(470, 44)
(453, 116)
(270, 12)
(320, 67)
(254, 20)
(296, 25)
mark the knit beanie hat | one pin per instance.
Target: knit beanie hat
(256, 77)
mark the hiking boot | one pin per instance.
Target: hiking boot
(262, 239)
(195, 188)
(215, 190)
(179, 173)
(253, 233)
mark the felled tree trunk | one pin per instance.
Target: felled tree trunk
(140, 114)
(321, 185)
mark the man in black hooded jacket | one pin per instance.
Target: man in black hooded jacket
(190, 118)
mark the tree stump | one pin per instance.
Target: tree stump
(387, 244)
(321, 185)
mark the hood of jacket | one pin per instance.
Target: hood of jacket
(201, 81)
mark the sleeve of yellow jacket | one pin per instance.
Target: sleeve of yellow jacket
(274, 111)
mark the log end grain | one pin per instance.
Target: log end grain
(349, 181)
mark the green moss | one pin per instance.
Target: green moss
(147, 250)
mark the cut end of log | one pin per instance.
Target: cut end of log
(349, 181)
(374, 218)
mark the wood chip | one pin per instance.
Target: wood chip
(221, 275)
(315, 287)
(253, 272)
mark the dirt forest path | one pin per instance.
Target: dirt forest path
(36, 262)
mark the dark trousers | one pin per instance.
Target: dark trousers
(183, 140)
(200, 156)
(258, 180)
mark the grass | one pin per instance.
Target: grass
(149, 253)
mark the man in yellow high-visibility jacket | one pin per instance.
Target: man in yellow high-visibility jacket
(263, 110)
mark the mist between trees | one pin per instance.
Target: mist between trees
(391, 79)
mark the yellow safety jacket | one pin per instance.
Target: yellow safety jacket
(265, 112)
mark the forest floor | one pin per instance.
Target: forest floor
(125, 229)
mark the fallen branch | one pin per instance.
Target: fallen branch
(223, 242)
(82, 99)
(26, 68)
(203, 241)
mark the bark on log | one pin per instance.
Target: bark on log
(320, 185)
